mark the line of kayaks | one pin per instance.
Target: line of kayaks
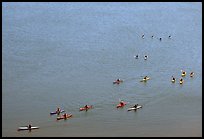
(87, 107)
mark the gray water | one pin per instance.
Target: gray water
(68, 54)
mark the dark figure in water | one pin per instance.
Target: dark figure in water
(136, 56)
(143, 36)
(29, 126)
(145, 57)
(160, 39)
(152, 36)
(169, 36)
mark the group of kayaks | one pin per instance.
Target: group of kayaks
(59, 111)
(183, 74)
(122, 104)
(66, 116)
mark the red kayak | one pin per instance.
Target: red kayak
(62, 117)
(120, 105)
(118, 82)
(84, 108)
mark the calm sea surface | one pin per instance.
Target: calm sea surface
(68, 54)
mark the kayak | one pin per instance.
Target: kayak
(133, 108)
(173, 81)
(62, 117)
(117, 82)
(181, 82)
(61, 111)
(144, 80)
(82, 109)
(183, 74)
(26, 128)
(120, 106)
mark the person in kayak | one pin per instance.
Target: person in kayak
(65, 115)
(86, 106)
(136, 56)
(183, 72)
(122, 103)
(181, 81)
(135, 106)
(58, 110)
(173, 78)
(191, 74)
(145, 57)
(29, 126)
(145, 78)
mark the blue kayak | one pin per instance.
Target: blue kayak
(61, 111)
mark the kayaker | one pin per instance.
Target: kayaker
(29, 126)
(122, 103)
(136, 56)
(58, 110)
(65, 115)
(191, 74)
(173, 78)
(181, 80)
(135, 106)
(145, 78)
(145, 57)
(86, 106)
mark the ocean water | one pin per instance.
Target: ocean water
(68, 54)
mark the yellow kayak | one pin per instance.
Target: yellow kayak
(181, 82)
(183, 74)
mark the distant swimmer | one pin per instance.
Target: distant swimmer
(160, 39)
(169, 36)
(143, 36)
(152, 36)
(191, 74)
(145, 57)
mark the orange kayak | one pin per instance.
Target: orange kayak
(84, 108)
(62, 117)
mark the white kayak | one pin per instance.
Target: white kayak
(133, 108)
(26, 128)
